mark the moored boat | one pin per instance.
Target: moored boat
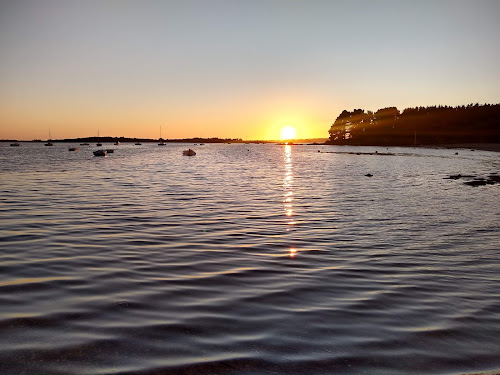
(110, 150)
(49, 141)
(189, 152)
(73, 149)
(100, 153)
(99, 144)
(15, 144)
(162, 142)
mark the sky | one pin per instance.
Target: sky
(234, 68)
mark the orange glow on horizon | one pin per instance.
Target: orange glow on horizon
(143, 120)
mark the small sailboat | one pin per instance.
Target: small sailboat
(117, 143)
(189, 152)
(49, 141)
(99, 144)
(162, 142)
(100, 153)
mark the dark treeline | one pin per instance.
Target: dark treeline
(473, 123)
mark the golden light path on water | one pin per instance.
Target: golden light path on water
(288, 192)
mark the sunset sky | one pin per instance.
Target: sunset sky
(239, 69)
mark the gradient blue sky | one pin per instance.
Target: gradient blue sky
(235, 68)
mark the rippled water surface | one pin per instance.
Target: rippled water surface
(247, 259)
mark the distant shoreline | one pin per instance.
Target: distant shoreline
(495, 147)
(183, 140)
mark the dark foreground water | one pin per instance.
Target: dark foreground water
(247, 259)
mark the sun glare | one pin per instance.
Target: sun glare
(287, 132)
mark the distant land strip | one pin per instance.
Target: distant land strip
(108, 139)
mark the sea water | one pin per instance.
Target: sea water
(248, 259)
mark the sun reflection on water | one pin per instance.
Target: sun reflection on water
(288, 193)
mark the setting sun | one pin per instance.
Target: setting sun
(288, 132)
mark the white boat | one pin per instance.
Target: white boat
(188, 152)
(100, 153)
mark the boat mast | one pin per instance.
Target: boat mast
(162, 142)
